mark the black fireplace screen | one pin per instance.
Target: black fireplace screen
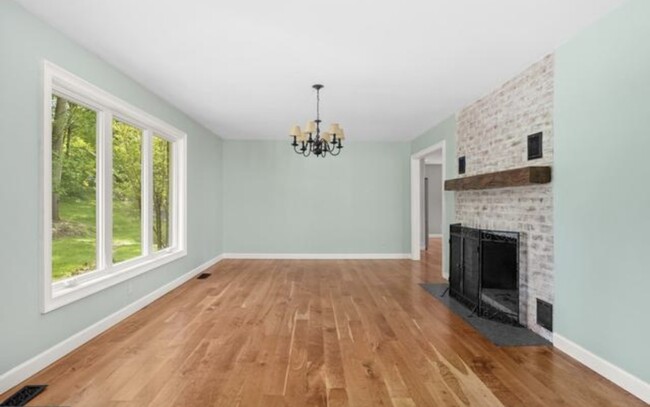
(484, 271)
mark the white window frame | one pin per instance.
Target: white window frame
(57, 294)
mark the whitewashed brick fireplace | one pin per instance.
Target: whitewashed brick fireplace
(492, 135)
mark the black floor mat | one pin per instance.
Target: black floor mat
(498, 333)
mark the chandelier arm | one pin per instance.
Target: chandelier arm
(334, 151)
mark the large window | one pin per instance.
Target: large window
(114, 190)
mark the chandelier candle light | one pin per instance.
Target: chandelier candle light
(312, 141)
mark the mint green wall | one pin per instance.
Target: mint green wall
(278, 202)
(602, 193)
(444, 131)
(24, 332)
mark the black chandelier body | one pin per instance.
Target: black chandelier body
(312, 141)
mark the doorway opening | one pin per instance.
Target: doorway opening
(428, 216)
(432, 197)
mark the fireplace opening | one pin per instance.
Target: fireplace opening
(500, 287)
(484, 271)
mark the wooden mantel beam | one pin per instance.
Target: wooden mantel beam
(517, 177)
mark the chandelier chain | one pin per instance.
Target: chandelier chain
(318, 104)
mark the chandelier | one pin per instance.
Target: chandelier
(311, 140)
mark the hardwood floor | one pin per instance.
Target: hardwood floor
(314, 333)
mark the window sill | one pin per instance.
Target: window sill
(61, 296)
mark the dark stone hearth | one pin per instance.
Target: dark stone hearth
(496, 332)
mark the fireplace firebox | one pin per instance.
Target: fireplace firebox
(484, 271)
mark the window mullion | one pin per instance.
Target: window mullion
(178, 194)
(173, 197)
(99, 190)
(147, 192)
(105, 192)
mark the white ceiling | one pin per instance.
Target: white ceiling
(391, 69)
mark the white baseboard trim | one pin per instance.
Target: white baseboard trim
(318, 256)
(49, 356)
(611, 372)
(435, 235)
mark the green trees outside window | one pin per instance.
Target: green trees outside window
(74, 152)
(161, 189)
(127, 191)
